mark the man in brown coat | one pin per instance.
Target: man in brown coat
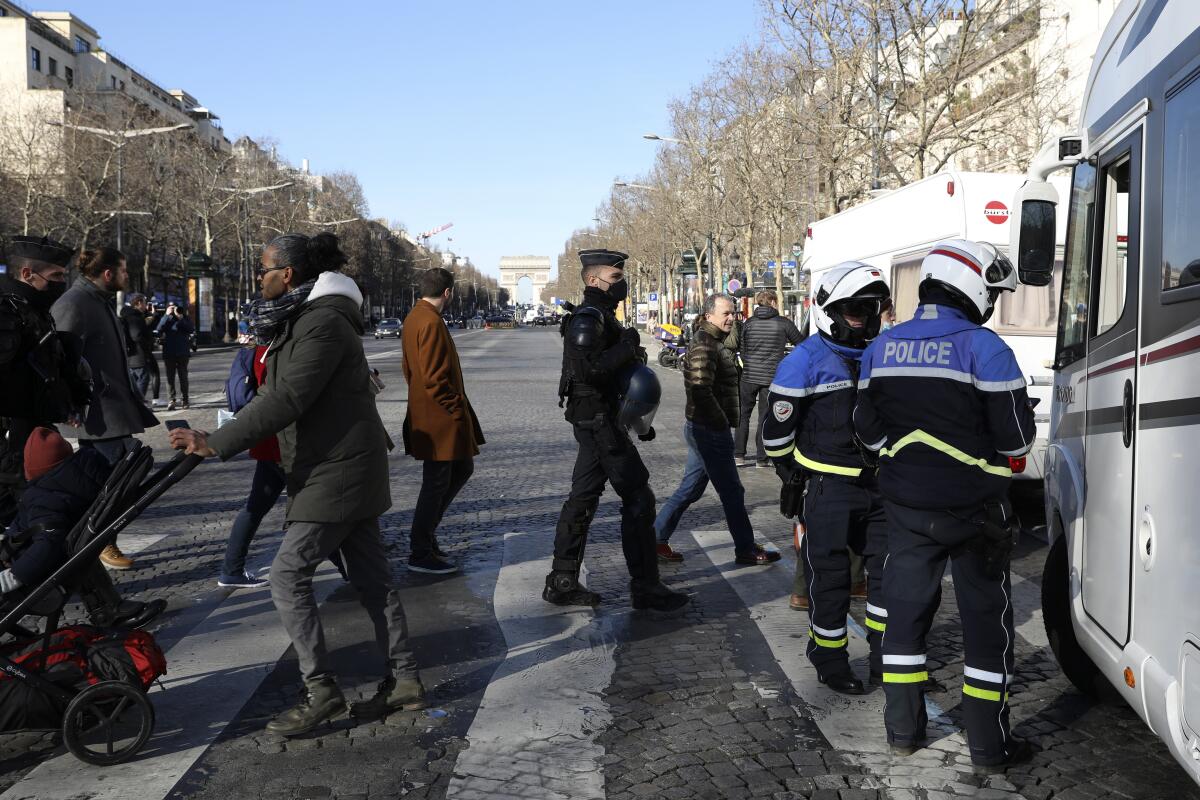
(440, 428)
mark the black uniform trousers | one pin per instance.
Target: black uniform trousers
(606, 454)
(919, 542)
(841, 514)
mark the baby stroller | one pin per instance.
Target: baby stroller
(89, 681)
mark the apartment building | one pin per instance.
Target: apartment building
(45, 55)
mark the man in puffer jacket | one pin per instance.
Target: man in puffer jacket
(765, 337)
(711, 383)
(62, 487)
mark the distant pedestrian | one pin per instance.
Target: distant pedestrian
(176, 330)
(711, 383)
(333, 445)
(139, 341)
(440, 428)
(764, 340)
(86, 315)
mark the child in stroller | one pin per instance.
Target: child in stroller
(62, 486)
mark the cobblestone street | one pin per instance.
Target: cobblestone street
(533, 701)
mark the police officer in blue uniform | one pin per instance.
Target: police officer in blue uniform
(943, 401)
(596, 350)
(808, 433)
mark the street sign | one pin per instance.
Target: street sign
(797, 251)
(734, 285)
(786, 263)
(654, 297)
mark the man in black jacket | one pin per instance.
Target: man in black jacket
(764, 339)
(595, 350)
(41, 379)
(139, 342)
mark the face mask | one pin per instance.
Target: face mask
(55, 289)
(618, 291)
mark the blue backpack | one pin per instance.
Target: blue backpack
(240, 386)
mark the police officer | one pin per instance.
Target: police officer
(807, 432)
(943, 401)
(40, 381)
(595, 350)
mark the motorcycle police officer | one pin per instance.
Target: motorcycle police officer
(595, 350)
(41, 383)
(807, 432)
(943, 401)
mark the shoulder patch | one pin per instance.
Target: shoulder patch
(782, 410)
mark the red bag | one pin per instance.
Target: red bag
(129, 656)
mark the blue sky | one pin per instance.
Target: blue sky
(509, 119)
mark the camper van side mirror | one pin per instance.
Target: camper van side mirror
(1033, 248)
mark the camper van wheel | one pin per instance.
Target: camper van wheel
(1076, 664)
(107, 723)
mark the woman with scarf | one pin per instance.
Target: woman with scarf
(333, 449)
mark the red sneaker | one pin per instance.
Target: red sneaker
(666, 555)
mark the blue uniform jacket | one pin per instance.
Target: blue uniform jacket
(810, 405)
(943, 401)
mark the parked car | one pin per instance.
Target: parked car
(388, 327)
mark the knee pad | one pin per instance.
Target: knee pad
(640, 506)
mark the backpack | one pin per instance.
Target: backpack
(241, 385)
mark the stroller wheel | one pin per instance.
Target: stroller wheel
(107, 723)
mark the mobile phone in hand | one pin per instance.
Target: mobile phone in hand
(173, 424)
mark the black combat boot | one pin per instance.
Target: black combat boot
(563, 589)
(655, 596)
(322, 701)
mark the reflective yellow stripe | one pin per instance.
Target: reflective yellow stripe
(921, 437)
(982, 694)
(827, 642)
(783, 451)
(905, 677)
(875, 626)
(817, 466)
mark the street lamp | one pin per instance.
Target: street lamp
(118, 140)
(663, 302)
(705, 156)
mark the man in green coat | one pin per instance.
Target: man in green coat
(317, 400)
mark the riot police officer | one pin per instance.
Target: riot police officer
(807, 432)
(595, 350)
(41, 382)
(943, 401)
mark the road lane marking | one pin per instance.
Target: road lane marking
(852, 724)
(212, 672)
(534, 734)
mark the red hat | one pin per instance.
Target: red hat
(44, 451)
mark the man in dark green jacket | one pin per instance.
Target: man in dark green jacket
(317, 400)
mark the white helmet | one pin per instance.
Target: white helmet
(850, 281)
(973, 273)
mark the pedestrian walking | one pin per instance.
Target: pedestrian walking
(317, 399)
(596, 349)
(176, 330)
(809, 434)
(763, 344)
(139, 341)
(87, 316)
(943, 401)
(710, 379)
(42, 380)
(440, 428)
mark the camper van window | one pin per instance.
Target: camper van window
(1031, 310)
(1073, 314)
(1114, 246)
(1181, 176)
(906, 276)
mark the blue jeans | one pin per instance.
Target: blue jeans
(269, 483)
(710, 458)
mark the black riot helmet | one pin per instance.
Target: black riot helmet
(639, 392)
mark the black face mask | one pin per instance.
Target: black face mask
(618, 291)
(54, 289)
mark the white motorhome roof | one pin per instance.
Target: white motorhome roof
(1139, 35)
(950, 204)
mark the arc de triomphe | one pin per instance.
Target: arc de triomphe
(513, 268)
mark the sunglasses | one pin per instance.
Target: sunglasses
(261, 271)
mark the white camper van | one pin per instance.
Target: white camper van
(895, 231)
(1119, 588)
